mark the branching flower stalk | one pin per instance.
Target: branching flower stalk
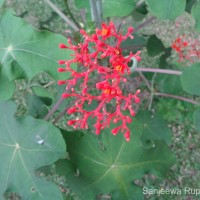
(92, 56)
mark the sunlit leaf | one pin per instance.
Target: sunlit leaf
(1, 2)
(166, 9)
(25, 145)
(34, 51)
(196, 15)
(110, 8)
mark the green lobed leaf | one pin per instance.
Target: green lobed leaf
(190, 79)
(108, 164)
(196, 119)
(25, 145)
(119, 8)
(166, 9)
(33, 51)
(196, 15)
(154, 46)
(110, 8)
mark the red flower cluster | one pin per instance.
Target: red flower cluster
(99, 59)
(187, 48)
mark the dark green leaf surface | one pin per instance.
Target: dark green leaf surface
(189, 4)
(154, 46)
(196, 119)
(169, 84)
(196, 15)
(34, 51)
(155, 128)
(166, 9)
(190, 79)
(110, 164)
(25, 145)
(133, 45)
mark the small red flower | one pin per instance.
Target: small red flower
(187, 48)
(92, 55)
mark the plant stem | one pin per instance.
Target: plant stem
(62, 15)
(145, 80)
(71, 15)
(52, 111)
(60, 116)
(49, 84)
(151, 91)
(177, 97)
(148, 21)
(63, 112)
(94, 12)
(99, 8)
(156, 70)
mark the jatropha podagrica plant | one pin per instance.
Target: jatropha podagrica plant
(102, 70)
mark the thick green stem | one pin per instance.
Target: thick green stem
(156, 70)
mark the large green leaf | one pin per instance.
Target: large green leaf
(190, 79)
(120, 8)
(166, 9)
(196, 15)
(1, 2)
(108, 164)
(196, 119)
(25, 145)
(33, 51)
(111, 8)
